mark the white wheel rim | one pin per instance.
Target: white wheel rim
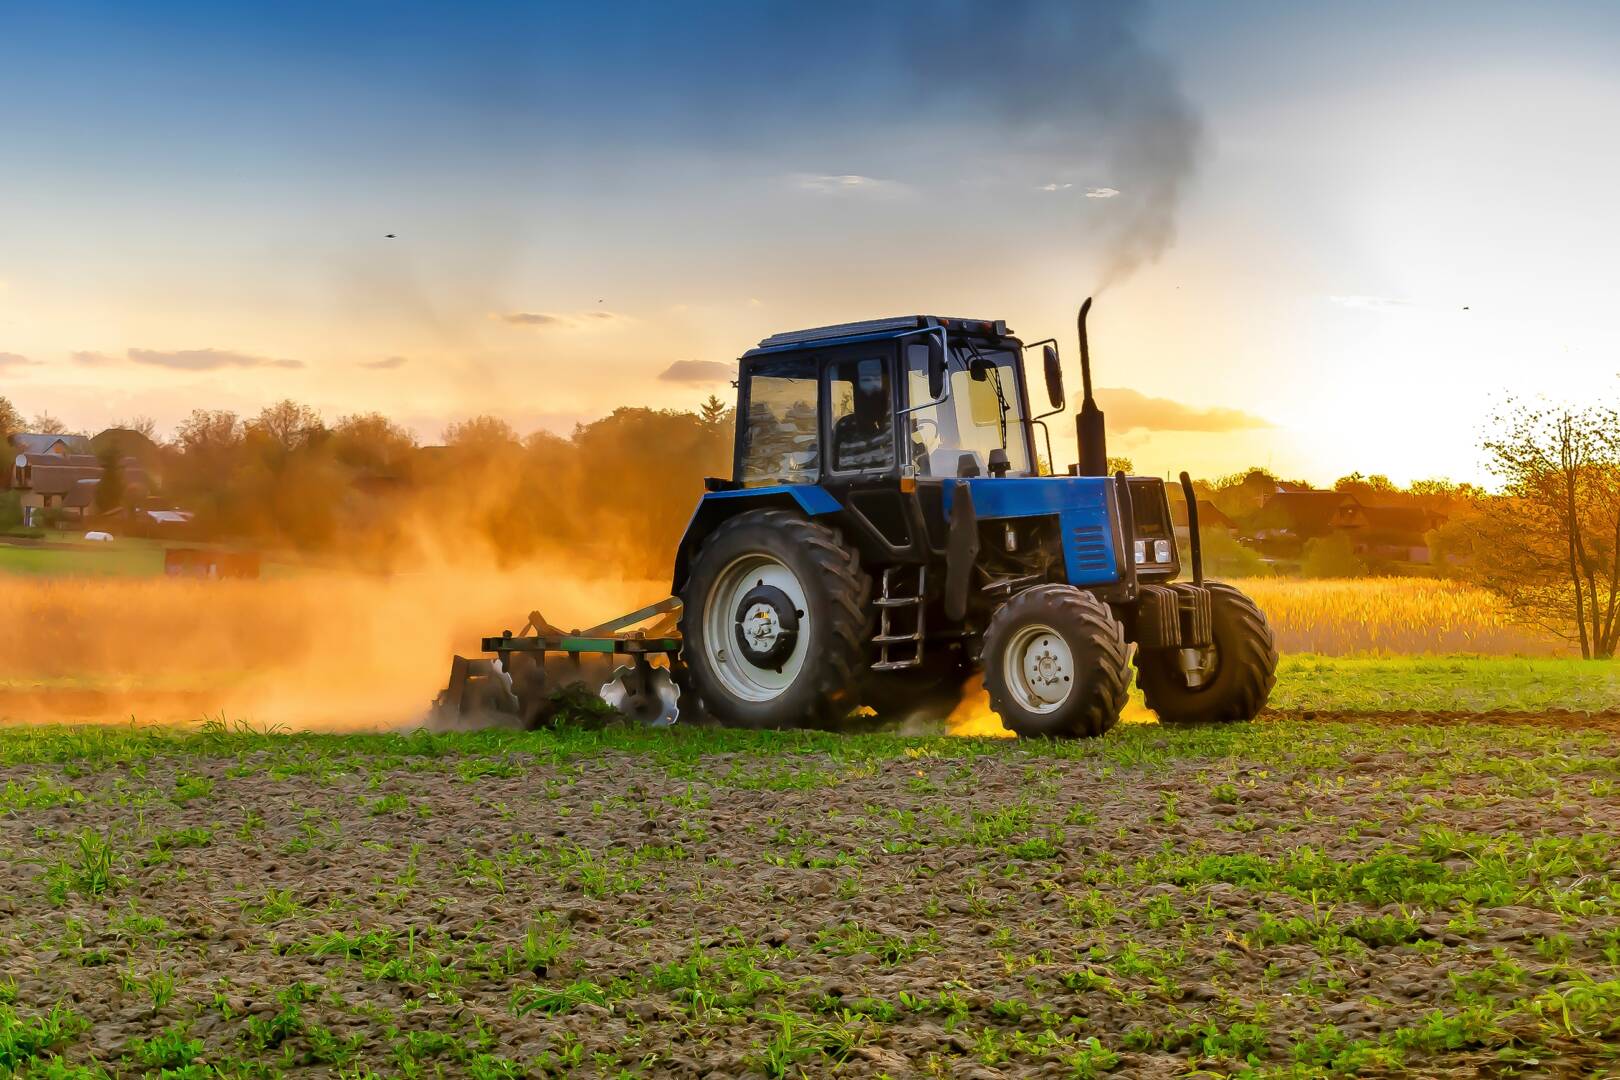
(1038, 667)
(740, 677)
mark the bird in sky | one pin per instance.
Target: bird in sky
(389, 236)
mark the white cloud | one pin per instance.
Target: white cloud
(1056, 187)
(11, 359)
(848, 183)
(387, 363)
(1101, 192)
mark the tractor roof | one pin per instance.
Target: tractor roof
(874, 330)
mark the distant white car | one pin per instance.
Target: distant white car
(98, 535)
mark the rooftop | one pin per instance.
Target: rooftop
(40, 443)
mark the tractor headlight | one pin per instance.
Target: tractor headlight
(1140, 554)
(1161, 551)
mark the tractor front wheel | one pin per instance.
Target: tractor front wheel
(775, 623)
(1230, 679)
(1056, 663)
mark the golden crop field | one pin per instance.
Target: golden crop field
(1416, 616)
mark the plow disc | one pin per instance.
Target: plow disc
(480, 691)
(517, 687)
(644, 694)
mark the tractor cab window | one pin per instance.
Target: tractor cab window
(861, 400)
(980, 415)
(781, 442)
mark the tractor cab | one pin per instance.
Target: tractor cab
(917, 397)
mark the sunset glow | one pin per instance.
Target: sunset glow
(1388, 218)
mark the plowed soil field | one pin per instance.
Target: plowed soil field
(1302, 897)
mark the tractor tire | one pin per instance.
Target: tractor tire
(1245, 657)
(1056, 664)
(807, 604)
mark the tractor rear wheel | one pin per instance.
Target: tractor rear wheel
(1232, 678)
(1056, 663)
(775, 623)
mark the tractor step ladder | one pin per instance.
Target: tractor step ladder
(893, 605)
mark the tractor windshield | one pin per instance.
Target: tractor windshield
(981, 413)
(779, 438)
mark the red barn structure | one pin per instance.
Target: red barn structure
(204, 563)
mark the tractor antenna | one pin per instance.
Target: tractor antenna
(1090, 434)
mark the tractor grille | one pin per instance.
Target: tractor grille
(1088, 547)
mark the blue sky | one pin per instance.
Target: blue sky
(194, 201)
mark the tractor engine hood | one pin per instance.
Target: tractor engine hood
(1086, 508)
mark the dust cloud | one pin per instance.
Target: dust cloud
(330, 650)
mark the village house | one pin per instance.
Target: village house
(60, 471)
(1397, 533)
(1289, 519)
(1210, 519)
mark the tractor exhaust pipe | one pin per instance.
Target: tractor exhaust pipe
(1089, 433)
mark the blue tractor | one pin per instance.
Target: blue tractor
(889, 527)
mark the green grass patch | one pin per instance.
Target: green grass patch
(118, 558)
(1445, 683)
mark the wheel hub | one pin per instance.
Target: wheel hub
(1040, 668)
(754, 616)
(1198, 665)
(766, 626)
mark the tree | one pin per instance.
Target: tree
(1224, 557)
(1121, 465)
(11, 422)
(1357, 484)
(713, 411)
(1550, 546)
(110, 489)
(207, 432)
(372, 442)
(46, 424)
(482, 437)
(1332, 556)
(287, 425)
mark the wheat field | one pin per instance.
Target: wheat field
(1408, 616)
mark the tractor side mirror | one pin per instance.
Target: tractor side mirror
(936, 366)
(1054, 377)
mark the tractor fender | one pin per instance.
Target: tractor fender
(717, 507)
